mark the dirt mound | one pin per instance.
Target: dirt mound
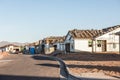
(3, 54)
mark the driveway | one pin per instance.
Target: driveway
(28, 67)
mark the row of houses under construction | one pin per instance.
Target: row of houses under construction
(104, 40)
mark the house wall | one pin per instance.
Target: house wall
(46, 49)
(112, 43)
(2, 49)
(77, 45)
(72, 45)
(69, 40)
(96, 48)
(60, 46)
(111, 48)
(11, 48)
(82, 45)
(7, 49)
(111, 39)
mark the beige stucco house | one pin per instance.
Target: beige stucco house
(10, 48)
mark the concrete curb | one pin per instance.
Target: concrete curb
(72, 76)
(66, 74)
(64, 71)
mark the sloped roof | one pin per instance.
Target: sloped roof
(85, 34)
(54, 39)
(9, 45)
(110, 28)
(89, 34)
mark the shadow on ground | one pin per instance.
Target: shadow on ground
(42, 58)
(86, 56)
(106, 68)
(14, 77)
(49, 65)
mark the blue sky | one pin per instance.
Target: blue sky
(32, 20)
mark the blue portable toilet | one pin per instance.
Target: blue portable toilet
(32, 50)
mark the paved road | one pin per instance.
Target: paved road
(27, 67)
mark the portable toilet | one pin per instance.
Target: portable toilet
(32, 50)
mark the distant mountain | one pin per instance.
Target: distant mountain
(3, 43)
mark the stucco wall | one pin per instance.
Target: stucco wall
(110, 47)
(111, 38)
(82, 45)
(60, 46)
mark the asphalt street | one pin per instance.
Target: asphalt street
(28, 67)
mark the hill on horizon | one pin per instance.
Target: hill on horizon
(3, 43)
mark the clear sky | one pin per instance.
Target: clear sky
(32, 20)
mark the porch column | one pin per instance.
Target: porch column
(92, 46)
(93, 39)
(119, 44)
(95, 45)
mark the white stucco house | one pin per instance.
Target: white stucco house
(52, 43)
(111, 40)
(10, 48)
(60, 45)
(104, 40)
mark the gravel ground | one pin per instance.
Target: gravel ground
(107, 63)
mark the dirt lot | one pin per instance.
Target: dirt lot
(107, 63)
(3, 54)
